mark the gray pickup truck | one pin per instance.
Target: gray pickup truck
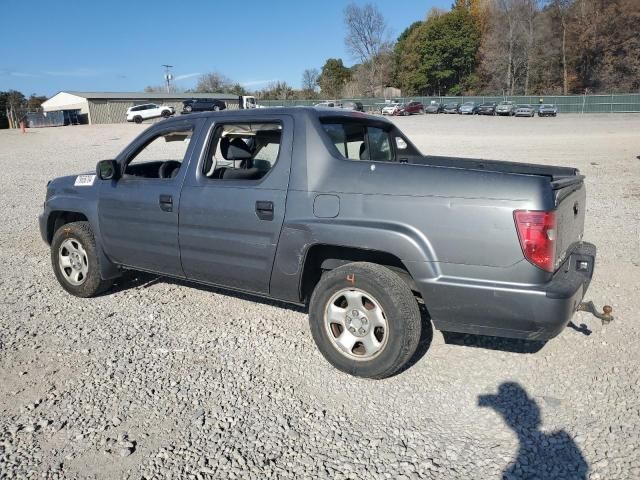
(334, 210)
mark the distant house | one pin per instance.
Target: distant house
(111, 107)
(387, 92)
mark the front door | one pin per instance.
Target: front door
(232, 209)
(138, 213)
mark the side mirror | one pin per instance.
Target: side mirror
(107, 170)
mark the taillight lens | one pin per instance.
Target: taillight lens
(537, 233)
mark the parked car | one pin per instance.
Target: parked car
(411, 108)
(392, 108)
(506, 108)
(353, 105)
(328, 104)
(469, 108)
(149, 110)
(487, 108)
(547, 110)
(451, 108)
(434, 107)
(525, 111)
(203, 105)
(349, 220)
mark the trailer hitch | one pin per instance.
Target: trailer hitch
(605, 316)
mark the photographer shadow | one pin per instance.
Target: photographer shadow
(541, 455)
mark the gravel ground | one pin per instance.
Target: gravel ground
(161, 379)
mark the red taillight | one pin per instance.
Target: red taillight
(537, 234)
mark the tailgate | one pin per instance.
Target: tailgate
(570, 195)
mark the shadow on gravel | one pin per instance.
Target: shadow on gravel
(513, 345)
(540, 454)
(583, 329)
(131, 280)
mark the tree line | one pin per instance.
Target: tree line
(494, 47)
(510, 47)
(14, 105)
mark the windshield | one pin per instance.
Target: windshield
(524, 106)
(506, 103)
(546, 106)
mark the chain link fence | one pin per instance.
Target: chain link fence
(614, 103)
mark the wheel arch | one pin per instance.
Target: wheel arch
(59, 218)
(305, 249)
(324, 257)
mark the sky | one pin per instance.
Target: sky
(120, 46)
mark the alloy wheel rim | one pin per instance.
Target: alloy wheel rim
(73, 261)
(356, 324)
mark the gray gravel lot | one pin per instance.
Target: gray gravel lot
(161, 379)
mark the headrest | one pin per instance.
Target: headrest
(364, 153)
(234, 149)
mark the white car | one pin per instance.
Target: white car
(328, 105)
(391, 109)
(149, 110)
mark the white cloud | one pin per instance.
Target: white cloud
(185, 76)
(10, 73)
(253, 83)
(75, 72)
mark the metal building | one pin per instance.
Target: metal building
(111, 107)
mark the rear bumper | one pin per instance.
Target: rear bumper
(532, 312)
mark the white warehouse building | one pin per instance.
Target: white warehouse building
(111, 107)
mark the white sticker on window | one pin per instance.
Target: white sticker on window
(84, 180)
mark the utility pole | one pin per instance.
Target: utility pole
(168, 77)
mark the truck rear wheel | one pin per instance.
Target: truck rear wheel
(365, 320)
(75, 261)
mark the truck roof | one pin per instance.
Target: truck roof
(293, 111)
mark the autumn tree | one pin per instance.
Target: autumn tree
(310, 81)
(367, 41)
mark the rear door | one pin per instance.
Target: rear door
(230, 225)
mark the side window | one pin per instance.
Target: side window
(161, 157)
(379, 145)
(360, 142)
(242, 151)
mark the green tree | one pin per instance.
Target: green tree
(409, 73)
(333, 78)
(449, 51)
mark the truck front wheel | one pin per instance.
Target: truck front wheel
(365, 320)
(75, 261)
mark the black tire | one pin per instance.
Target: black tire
(137, 119)
(81, 233)
(188, 108)
(166, 114)
(400, 309)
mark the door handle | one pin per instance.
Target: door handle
(166, 203)
(264, 210)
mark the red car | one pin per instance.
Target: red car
(411, 108)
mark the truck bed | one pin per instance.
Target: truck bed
(566, 183)
(554, 173)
